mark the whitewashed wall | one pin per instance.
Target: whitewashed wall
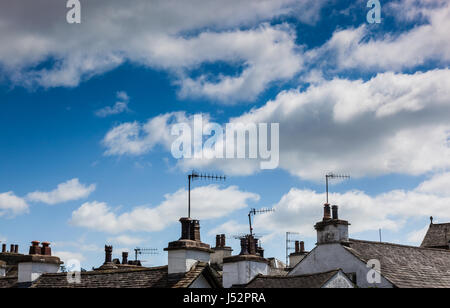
(242, 272)
(328, 257)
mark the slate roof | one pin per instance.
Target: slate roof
(406, 266)
(155, 277)
(8, 282)
(302, 281)
(438, 236)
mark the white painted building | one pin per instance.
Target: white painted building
(373, 264)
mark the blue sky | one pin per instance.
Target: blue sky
(370, 100)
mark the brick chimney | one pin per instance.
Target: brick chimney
(35, 249)
(108, 254)
(189, 249)
(46, 250)
(326, 212)
(124, 257)
(3, 248)
(16, 248)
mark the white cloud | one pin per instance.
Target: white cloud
(208, 202)
(11, 205)
(300, 208)
(120, 106)
(167, 34)
(125, 240)
(416, 237)
(392, 123)
(229, 227)
(358, 49)
(68, 191)
(68, 255)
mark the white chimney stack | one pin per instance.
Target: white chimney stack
(240, 269)
(331, 229)
(38, 262)
(188, 250)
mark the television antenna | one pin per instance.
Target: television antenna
(289, 248)
(332, 175)
(194, 175)
(144, 251)
(253, 212)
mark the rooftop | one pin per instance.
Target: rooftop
(302, 281)
(155, 277)
(406, 266)
(438, 236)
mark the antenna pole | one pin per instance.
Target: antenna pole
(195, 175)
(326, 180)
(189, 196)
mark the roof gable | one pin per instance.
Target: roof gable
(438, 236)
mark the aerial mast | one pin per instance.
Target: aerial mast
(332, 175)
(194, 175)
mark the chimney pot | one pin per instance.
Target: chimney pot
(335, 212)
(46, 250)
(297, 246)
(124, 257)
(218, 241)
(35, 249)
(302, 246)
(16, 248)
(108, 254)
(3, 248)
(222, 240)
(244, 249)
(326, 212)
(11, 249)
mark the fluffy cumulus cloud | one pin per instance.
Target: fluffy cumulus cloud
(357, 48)
(67, 191)
(11, 205)
(210, 202)
(120, 106)
(125, 240)
(300, 208)
(392, 123)
(170, 35)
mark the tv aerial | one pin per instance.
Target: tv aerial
(253, 212)
(194, 175)
(332, 175)
(144, 251)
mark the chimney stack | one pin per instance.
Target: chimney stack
(34, 248)
(222, 240)
(244, 248)
(46, 250)
(108, 254)
(335, 212)
(218, 241)
(189, 249)
(124, 257)
(326, 212)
